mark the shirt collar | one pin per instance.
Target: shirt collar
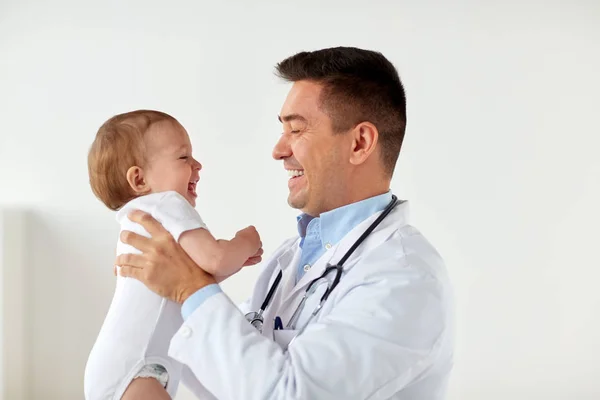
(303, 220)
(336, 224)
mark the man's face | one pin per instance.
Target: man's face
(316, 158)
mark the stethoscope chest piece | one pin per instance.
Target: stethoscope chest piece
(255, 319)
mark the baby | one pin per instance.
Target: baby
(143, 160)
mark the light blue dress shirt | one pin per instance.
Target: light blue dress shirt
(317, 234)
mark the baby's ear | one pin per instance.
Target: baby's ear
(136, 180)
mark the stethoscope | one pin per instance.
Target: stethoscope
(256, 318)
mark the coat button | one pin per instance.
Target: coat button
(186, 331)
(328, 246)
(306, 267)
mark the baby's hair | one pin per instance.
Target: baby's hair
(118, 146)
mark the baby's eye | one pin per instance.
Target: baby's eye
(183, 157)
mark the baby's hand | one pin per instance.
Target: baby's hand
(255, 259)
(251, 236)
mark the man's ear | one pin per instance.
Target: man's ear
(136, 180)
(365, 139)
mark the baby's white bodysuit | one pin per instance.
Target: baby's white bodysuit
(137, 330)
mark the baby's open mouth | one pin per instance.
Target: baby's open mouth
(192, 188)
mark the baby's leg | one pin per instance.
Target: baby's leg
(134, 342)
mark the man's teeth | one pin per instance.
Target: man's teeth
(295, 172)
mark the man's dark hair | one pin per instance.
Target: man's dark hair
(358, 85)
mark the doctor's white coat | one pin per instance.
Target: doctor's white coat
(386, 331)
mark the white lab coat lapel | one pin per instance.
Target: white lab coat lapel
(316, 271)
(276, 263)
(293, 294)
(289, 276)
(285, 263)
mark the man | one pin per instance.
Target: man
(385, 331)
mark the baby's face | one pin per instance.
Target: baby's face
(170, 162)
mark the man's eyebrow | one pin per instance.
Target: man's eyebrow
(291, 117)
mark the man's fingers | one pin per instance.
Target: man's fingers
(131, 265)
(131, 272)
(133, 239)
(131, 260)
(151, 225)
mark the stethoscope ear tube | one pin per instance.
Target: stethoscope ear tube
(338, 275)
(271, 291)
(339, 266)
(368, 231)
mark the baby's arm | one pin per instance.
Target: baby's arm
(220, 257)
(147, 389)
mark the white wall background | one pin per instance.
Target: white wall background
(500, 160)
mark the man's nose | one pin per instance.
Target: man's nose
(282, 148)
